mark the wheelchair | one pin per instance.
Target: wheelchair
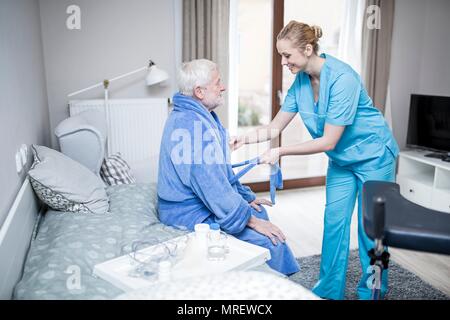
(393, 221)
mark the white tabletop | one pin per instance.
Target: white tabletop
(192, 262)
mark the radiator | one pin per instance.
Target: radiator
(135, 128)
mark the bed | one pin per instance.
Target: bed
(50, 254)
(67, 246)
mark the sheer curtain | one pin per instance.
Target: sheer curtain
(206, 35)
(351, 33)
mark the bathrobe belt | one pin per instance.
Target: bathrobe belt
(276, 178)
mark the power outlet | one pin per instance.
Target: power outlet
(24, 154)
(21, 158)
(19, 165)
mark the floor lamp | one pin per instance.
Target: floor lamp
(154, 76)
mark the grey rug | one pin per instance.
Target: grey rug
(403, 285)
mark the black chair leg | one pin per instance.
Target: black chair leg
(379, 260)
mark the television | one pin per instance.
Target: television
(429, 124)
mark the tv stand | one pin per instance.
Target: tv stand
(425, 180)
(437, 155)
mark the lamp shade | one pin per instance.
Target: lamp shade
(155, 75)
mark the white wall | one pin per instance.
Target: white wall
(116, 36)
(420, 56)
(24, 114)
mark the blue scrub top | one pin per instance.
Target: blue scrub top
(367, 142)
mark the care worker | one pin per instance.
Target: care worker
(343, 122)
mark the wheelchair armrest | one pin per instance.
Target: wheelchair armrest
(407, 225)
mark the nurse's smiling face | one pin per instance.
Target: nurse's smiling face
(294, 58)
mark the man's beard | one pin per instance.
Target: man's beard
(216, 103)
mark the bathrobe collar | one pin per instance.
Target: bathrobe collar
(185, 103)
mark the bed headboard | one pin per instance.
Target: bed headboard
(15, 237)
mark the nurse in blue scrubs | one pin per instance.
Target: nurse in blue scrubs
(343, 122)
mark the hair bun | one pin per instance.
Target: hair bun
(317, 31)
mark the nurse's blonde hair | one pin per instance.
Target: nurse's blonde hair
(301, 34)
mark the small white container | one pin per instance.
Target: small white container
(201, 235)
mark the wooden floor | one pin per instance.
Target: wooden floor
(299, 214)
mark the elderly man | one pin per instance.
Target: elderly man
(195, 182)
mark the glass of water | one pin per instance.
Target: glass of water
(217, 246)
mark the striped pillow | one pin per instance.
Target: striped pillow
(115, 170)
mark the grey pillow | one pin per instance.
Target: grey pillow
(66, 185)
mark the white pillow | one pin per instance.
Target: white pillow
(66, 185)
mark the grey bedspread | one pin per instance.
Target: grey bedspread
(61, 258)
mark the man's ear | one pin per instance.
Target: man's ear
(198, 93)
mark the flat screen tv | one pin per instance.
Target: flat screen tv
(429, 123)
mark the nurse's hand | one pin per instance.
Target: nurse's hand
(236, 142)
(268, 229)
(271, 156)
(255, 203)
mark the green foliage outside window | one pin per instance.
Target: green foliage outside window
(248, 116)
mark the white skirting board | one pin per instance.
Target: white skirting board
(135, 130)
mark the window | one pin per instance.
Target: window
(326, 14)
(259, 76)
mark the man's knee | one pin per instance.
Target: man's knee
(268, 244)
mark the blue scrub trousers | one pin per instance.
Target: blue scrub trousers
(342, 188)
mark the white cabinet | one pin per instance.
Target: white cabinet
(424, 180)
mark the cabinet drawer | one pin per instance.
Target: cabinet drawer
(440, 200)
(415, 191)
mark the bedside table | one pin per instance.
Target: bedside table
(193, 263)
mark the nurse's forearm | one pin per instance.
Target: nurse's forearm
(309, 147)
(270, 131)
(261, 134)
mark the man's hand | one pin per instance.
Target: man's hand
(267, 228)
(255, 203)
(236, 142)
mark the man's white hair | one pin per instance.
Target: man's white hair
(195, 73)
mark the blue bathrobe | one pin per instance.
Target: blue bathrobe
(193, 180)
